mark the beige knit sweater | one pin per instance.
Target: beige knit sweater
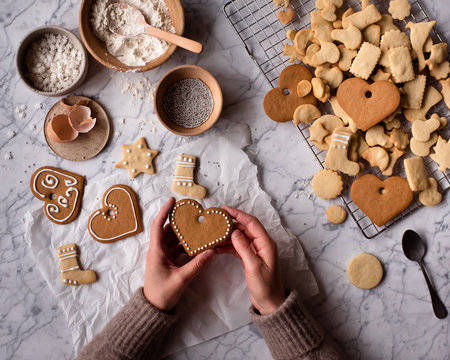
(139, 329)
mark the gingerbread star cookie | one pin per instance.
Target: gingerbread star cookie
(138, 158)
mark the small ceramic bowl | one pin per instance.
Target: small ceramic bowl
(188, 72)
(35, 34)
(97, 48)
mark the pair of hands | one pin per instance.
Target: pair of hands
(165, 282)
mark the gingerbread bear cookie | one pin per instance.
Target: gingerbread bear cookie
(119, 217)
(61, 192)
(199, 229)
(281, 102)
(71, 274)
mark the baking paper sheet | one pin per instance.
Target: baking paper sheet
(215, 302)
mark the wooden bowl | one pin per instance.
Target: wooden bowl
(37, 33)
(98, 50)
(181, 73)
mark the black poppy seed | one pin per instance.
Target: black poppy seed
(188, 103)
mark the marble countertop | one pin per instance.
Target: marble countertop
(392, 321)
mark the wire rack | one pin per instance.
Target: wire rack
(264, 36)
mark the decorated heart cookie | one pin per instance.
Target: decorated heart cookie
(281, 102)
(119, 217)
(61, 192)
(381, 200)
(368, 104)
(199, 229)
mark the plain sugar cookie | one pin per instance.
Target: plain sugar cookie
(327, 184)
(336, 214)
(365, 271)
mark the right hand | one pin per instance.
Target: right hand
(258, 252)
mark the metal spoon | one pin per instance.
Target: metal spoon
(132, 22)
(414, 249)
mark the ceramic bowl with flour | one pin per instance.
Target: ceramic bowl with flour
(130, 53)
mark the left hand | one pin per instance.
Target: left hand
(164, 281)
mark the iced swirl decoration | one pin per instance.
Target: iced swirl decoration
(50, 181)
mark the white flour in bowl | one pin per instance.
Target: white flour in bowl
(134, 50)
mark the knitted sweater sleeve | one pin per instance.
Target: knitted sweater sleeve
(291, 333)
(136, 332)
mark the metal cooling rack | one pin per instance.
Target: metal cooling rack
(264, 36)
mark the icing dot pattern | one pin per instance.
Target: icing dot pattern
(225, 235)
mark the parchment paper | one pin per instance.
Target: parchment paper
(214, 303)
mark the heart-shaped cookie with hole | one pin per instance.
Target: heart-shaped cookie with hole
(60, 190)
(119, 217)
(199, 229)
(281, 102)
(368, 104)
(381, 200)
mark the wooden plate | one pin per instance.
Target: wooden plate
(87, 145)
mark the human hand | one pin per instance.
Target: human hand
(259, 255)
(164, 281)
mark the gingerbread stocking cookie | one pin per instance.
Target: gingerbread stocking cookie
(71, 274)
(183, 181)
(337, 156)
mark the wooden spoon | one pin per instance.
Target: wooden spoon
(126, 20)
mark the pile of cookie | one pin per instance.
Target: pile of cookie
(373, 74)
(119, 216)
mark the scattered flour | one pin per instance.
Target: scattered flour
(132, 50)
(138, 90)
(11, 133)
(52, 63)
(32, 127)
(8, 156)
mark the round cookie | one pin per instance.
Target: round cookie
(327, 184)
(365, 271)
(336, 214)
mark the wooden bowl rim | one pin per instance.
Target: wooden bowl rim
(122, 67)
(217, 97)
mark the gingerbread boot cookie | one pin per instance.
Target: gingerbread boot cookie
(183, 181)
(337, 156)
(70, 270)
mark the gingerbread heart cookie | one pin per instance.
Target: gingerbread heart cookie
(199, 229)
(61, 192)
(119, 217)
(381, 200)
(368, 104)
(281, 102)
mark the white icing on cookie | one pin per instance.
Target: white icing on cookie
(98, 212)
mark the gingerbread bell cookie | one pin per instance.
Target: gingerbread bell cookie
(61, 192)
(199, 229)
(381, 200)
(281, 102)
(71, 274)
(119, 217)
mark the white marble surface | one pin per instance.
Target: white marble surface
(393, 321)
